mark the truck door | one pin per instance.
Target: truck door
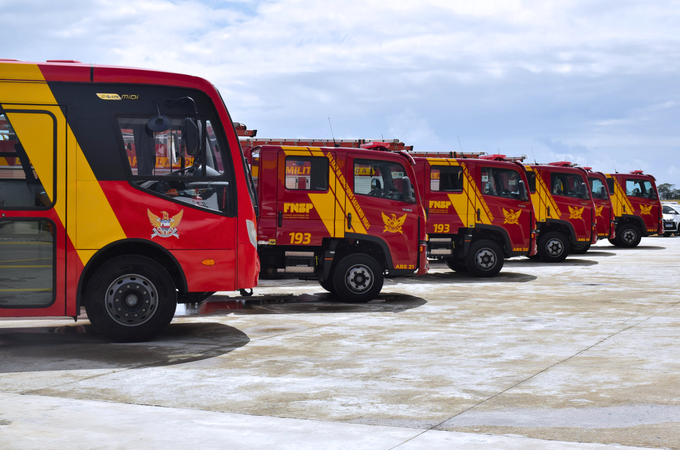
(507, 202)
(446, 198)
(644, 200)
(306, 200)
(569, 189)
(380, 207)
(33, 237)
(603, 206)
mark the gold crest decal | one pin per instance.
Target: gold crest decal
(165, 226)
(393, 225)
(598, 210)
(646, 209)
(575, 213)
(512, 217)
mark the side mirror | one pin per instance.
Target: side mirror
(408, 190)
(159, 122)
(190, 137)
(523, 191)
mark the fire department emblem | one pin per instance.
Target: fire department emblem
(165, 226)
(598, 210)
(393, 225)
(512, 217)
(646, 209)
(575, 213)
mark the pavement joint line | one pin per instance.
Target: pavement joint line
(433, 428)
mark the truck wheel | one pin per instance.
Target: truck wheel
(667, 234)
(628, 236)
(357, 278)
(613, 242)
(485, 258)
(553, 247)
(456, 265)
(580, 249)
(130, 299)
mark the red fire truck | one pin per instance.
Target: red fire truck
(478, 210)
(636, 205)
(564, 207)
(121, 190)
(344, 216)
(604, 212)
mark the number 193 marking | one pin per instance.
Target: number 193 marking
(300, 238)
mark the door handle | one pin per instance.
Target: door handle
(280, 218)
(349, 221)
(479, 215)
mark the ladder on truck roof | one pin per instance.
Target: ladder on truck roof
(247, 138)
(449, 154)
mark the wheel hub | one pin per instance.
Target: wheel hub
(131, 300)
(359, 278)
(485, 259)
(628, 236)
(554, 247)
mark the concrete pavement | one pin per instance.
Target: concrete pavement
(580, 354)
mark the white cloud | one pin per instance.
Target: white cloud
(597, 77)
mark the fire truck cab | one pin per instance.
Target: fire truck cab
(604, 212)
(121, 190)
(344, 216)
(564, 207)
(478, 210)
(636, 205)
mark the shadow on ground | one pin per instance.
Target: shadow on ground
(319, 303)
(569, 262)
(80, 347)
(448, 276)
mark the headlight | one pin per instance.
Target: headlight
(252, 232)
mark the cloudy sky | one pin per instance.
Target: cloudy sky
(591, 81)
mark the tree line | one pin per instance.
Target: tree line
(667, 191)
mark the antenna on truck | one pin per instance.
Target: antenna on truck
(335, 144)
(532, 154)
(615, 171)
(459, 144)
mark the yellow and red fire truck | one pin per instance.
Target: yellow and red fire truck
(478, 210)
(345, 216)
(636, 205)
(564, 207)
(121, 190)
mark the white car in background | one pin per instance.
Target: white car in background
(671, 218)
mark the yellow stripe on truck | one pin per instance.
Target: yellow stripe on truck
(23, 87)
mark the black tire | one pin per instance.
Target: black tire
(357, 278)
(456, 265)
(580, 249)
(327, 285)
(553, 247)
(668, 234)
(485, 258)
(628, 236)
(613, 242)
(130, 299)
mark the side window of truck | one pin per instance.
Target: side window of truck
(446, 178)
(598, 189)
(531, 178)
(640, 188)
(307, 173)
(27, 152)
(383, 179)
(186, 163)
(610, 184)
(501, 183)
(568, 185)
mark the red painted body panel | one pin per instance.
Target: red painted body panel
(648, 209)
(604, 213)
(578, 213)
(444, 218)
